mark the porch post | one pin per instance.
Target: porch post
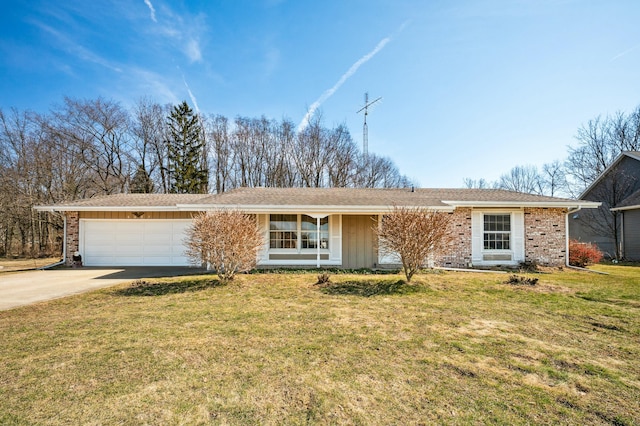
(318, 242)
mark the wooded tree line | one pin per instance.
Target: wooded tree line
(87, 147)
(599, 142)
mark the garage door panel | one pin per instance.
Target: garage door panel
(158, 239)
(130, 250)
(134, 242)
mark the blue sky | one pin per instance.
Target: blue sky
(470, 88)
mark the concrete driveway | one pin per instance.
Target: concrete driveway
(24, 288)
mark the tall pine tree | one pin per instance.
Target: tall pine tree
(188, 173)
(141, 182)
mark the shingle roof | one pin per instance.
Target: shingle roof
(318, 198)
(431, 197)
(135, 200)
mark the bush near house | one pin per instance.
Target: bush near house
(226, 241)
(583, 254)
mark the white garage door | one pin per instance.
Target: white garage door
(133, 242)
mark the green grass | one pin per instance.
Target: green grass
(451, 348)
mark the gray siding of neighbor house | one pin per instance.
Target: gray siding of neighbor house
(358, 242)
(580, 223)
(579, 230)
(632, 234)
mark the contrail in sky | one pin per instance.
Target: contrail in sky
(620, 55)
(193, 98)
(151, 9)
(328, 93)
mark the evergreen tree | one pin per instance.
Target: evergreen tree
(187, 169)
(141, 182)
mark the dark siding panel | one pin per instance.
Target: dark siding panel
(632, 234)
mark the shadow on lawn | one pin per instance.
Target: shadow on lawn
(368, 288)
(144, 288)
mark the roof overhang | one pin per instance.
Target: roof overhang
(306, 209)
(328, 209)
(64, 208)
(619, 209)
(569, 204)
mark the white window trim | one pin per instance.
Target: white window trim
(516, 238)
(298, 249)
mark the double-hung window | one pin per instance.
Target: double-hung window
(283, 231)
(311, 236)
(292, 231)
(497, 231)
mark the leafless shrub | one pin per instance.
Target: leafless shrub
(413, 235)
(226, 241)
(324, 278)
(520, 280)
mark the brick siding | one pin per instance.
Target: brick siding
(545, 236)
(458, 253)
(73, 235)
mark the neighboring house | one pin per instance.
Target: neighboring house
(629, 211)
(326, 227)
(615, 226)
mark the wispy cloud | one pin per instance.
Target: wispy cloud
(183, 31)
(152, 10)
(193, 51)
(351, 71)
(151, 83)
(76, 49)
(626, 52)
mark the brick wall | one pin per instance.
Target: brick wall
(545, 236)
(73, 235)
(458, 254)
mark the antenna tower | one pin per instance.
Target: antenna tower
(365, 129)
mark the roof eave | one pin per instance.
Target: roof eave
(619, 209)
(329, 209)
(68, 208)
(516, 204)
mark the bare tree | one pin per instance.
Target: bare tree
(412, 235)
(600, 142)
(150, 133)
(97, 131)
(312, 154)
(217, 130)
(525, 179)
(554, 180)
(478, 184)
(226, 241)
(343, 160)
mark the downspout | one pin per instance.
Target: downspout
(566, 227)
(64, 246)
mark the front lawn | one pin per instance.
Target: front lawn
(8, 264)
(452, 348)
